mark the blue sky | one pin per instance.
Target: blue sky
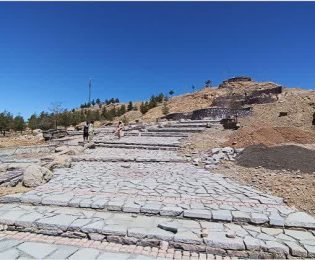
(49, 51)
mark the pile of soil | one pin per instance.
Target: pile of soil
(286, 157)
(270, 136)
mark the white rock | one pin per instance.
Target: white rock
(228, 150)
(35, 175)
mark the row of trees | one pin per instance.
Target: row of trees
(153, 102)
(99, 102)
(61, 117)
(8, 121)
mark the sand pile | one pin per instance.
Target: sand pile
(270, 136)
(286, 157)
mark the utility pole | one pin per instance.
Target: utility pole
(90, 86)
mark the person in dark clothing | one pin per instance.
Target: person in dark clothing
(86, 132)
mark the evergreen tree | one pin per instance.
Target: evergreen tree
(33, 122)
(130, 106)
(122, 110)
(18, 124)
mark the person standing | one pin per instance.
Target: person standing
(119, 129)
(91, 131)
(86, 132)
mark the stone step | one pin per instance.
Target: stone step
(149, 147)
(264, 216)
(199, 236)
(25, 245)
(157, 134)
(177, 129)
(135, 143)
(198, 121)
(116, 159)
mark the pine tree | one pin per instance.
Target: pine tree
(130, 106)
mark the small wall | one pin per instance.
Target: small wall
(220, 113)
(215, 113)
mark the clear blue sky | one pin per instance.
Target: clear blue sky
(48, 51)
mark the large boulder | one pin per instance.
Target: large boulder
(60, 161)
(35, 175)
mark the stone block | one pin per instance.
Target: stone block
(222, 215)
(219, 240)
(198, 213)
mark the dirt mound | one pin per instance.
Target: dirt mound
(286, 157)
(270, 136)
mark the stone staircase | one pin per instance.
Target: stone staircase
(128, 193)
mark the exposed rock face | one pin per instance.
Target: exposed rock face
(35, 175)
(238, 79)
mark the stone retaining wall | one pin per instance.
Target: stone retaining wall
(211, 112)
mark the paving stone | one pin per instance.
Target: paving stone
(223, 215)
(258, 218)
(79, 223)
(63, 252)
(9, 254)
(300, 219)
(158, 233)
(296, 250)
(274, 246)
(310, 250)
(219, 240)
(272, 231)
(240, 216)
(8, 243)
(56, 222)
(10, 217)
(115, 205)
(212, 226)
(94, 227)
(198, 213)
(276, 220)
(131, 208)
(61, 200)
(253, 243)
(171, 226)
(28, 220)
(85, 253)
(151, 208)
(137, 232)
(99, 204)
(37, 250)
(171, 211)
(300, 235)
(187, 237)
(118, 230)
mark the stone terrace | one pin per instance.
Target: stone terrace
(150, 196)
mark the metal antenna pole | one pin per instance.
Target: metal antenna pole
(90, 86)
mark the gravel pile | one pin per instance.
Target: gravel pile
(288, 157)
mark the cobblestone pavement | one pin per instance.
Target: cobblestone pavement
(153, 198)
(170, 189)
(138, 140)
(121, 154)
(17, 245)
(149, 230)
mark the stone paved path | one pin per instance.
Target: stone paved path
(25, 245)
(147, 196)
